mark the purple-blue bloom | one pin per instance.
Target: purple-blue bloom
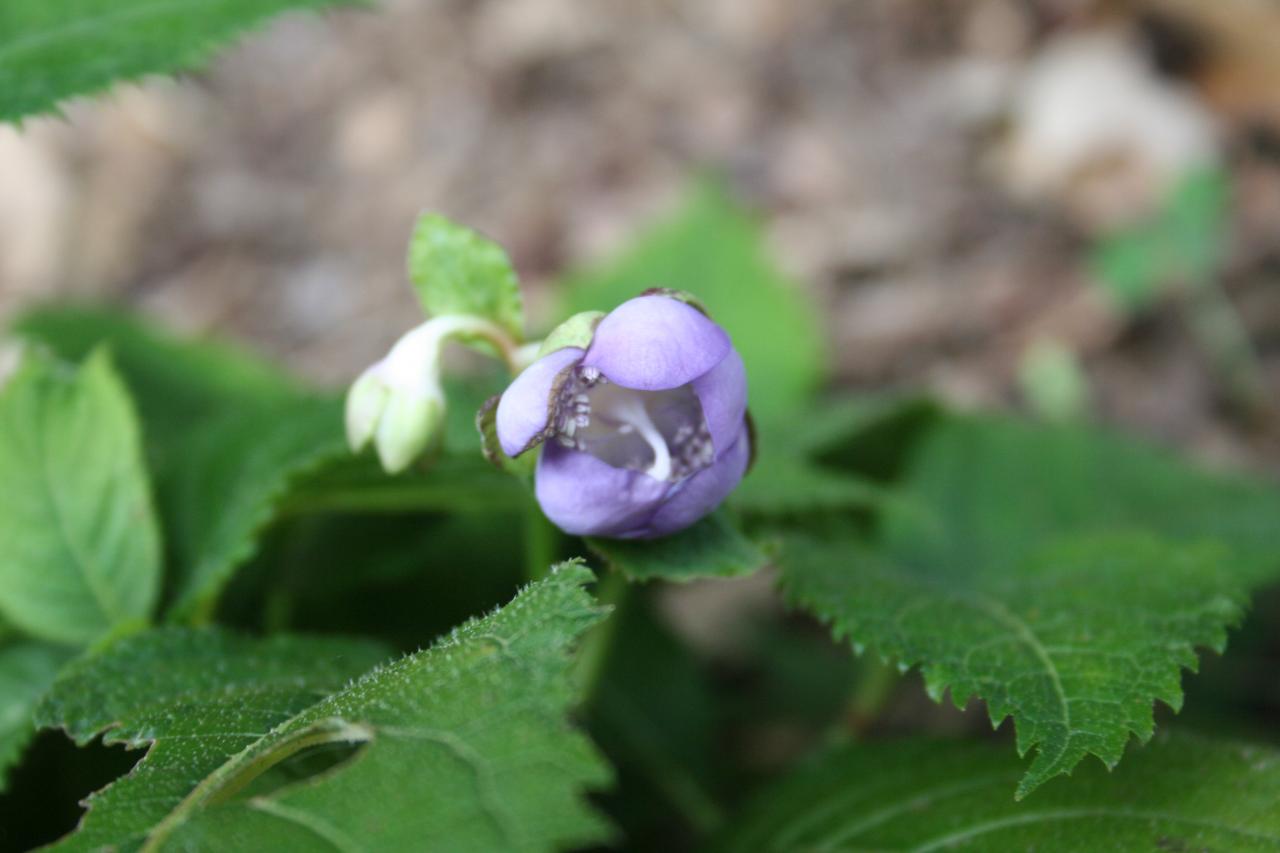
(645, 430)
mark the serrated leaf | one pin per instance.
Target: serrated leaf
(1076, 644)
(713, 548)
(465, 745)
(26, 671)
(999, 536)
(229, 479)
(79, 548)
(457, 271)
(715, 252)
(1180, 792)
(197, 697)
(1063, 576)
(51, 50)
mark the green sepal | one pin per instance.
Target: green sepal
(577, 331)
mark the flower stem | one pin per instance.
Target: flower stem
(542, 541)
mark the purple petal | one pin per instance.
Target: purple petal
(722, 391)
(525, 406)
(652, 343)
(702, 492)
(586, 497)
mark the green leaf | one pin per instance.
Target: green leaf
(830, 457)
(654, 712)
(26, 671)
(984, 492)
(1180, 792)
(714, 547)
(51, 50)
(1062, 575)
(577, 331)
(714, 251)
(454, 482)
(1075, 644)
(1184, 243)
(464, 746)
(79, 549)
(233, 475)
(456, 271)
(487, 427)
(197, 697)
(177, 383)
(420, 574)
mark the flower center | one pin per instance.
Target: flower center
(662, 433)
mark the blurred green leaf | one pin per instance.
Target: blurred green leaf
(1053, 382)
(197, 697)
(1180, 792)
(714, 547)
(654, 713)
(462, 746)
(456, 271)
(26, 671)
(715, 252)
(51, 50)
(235, 443)
(835, 456)
(419, 574)
(1183, 243)
(79, 546)
(177, 383)
(984, 492)
(233, 474)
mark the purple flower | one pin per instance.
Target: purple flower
(645, 428)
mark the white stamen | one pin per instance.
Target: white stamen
(630, 411)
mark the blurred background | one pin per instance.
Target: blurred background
(1068, 204)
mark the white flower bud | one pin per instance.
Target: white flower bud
(398, 403)
(365, 402)
(410, 427)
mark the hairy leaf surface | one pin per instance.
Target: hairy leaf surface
(79, 547)
(1076, 645)
(197, 697)
(51, 50)
(1179, 792)
(1064, 577)
(463, 746)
